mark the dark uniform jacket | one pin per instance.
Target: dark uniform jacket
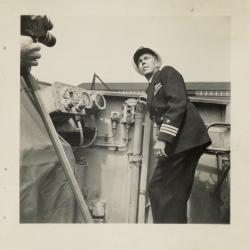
(179, 122)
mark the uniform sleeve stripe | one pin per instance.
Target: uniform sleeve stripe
(170, 127)
(168, 132)
(158, 84)
(157, 89)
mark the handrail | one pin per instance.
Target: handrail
(219, 124)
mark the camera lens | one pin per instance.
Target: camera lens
(48, 40)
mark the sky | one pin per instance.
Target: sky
(198, 47)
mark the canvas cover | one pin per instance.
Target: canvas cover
(45, 194)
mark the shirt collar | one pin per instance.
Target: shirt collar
(154, 77)
(150, 79)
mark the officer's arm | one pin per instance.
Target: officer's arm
(175, 94)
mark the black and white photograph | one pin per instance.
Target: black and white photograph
(124, 121)
(144, 139)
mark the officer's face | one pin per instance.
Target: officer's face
(147, 64)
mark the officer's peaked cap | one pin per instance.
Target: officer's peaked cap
(143, 50)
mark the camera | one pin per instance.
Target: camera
(37, 27)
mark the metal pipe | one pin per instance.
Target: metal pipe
(79, 125)
(89, 144)
(107, 136)
(125, 144)
(136, 163)
(95, 136)
(144, 168)
(115, 145)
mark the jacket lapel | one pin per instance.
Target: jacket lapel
(156, 78)
(150, 90)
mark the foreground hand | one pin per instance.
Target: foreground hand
(159, 149)
(29, 52)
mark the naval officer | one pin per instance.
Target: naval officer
(181, 140)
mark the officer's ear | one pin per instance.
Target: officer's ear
(157, 62)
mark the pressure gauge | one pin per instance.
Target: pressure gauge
(86, 100)
(99, 101)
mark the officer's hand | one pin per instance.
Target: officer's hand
(159, 149)
(29, 52)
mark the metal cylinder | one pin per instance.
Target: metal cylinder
(144, 169)
(136, 164)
